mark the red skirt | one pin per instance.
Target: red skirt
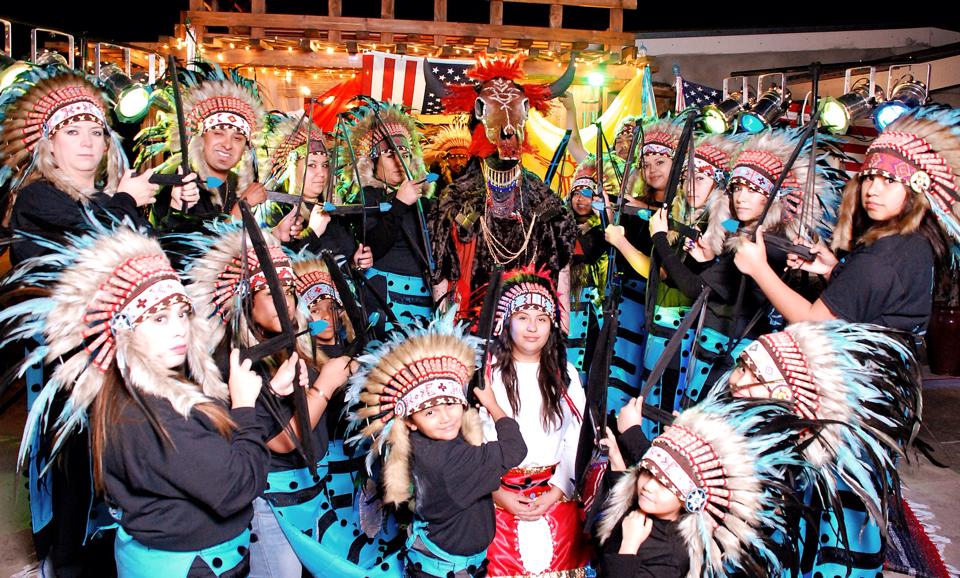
(551, 547)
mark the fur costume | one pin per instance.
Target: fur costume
(32, 110)
(210, 99)
(429, 366)
(724, 463)
(100, 286)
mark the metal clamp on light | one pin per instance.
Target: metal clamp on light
(838, 113)
(721, 117)
(770, 106)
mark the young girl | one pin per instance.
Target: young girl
(179, 457)
(230, 285)
(538, 525)
(826, 372)
(413, 404)
(888, 223)
(702, 498)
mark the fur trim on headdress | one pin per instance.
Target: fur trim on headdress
(725, 462)
(32, 110)
(96, 286)
(426, 367)
(217, 284)
(210, 98)
(863, 381)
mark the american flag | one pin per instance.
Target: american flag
(854, 143)
(693, 94)
(399, 79)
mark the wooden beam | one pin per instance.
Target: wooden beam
(496, 19)
(629, 4)
(257, 7)
(296, 24)
(334, 10)
(386, 13)
(616, 20)
(439, 15)
(556, 22)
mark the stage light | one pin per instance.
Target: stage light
(11, 70)
(596, 79)
(132, 98)
(769, 107)
(906, 96)
(836, 114)
(718, 118)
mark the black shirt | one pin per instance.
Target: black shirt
(192, 495)
(662, 555)
(46, 211)
(888, 283)
(454, 482)
(394, 236)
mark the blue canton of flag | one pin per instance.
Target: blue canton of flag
(699, 95)
(448, 71)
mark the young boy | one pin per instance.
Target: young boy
(414, 392)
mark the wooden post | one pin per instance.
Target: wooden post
(556, 21)
(496, 19)
(616, 25)
(439, 15)
(257, 7)
(386, 13)
(334, 10)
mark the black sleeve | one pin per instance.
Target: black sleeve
(224, 475)
(594, 245)
(864, 289)
(384, 231)
(475, 471)
(633, 444)
(686, 281)
(119, 205)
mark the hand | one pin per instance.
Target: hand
(334, 375)
(244, 383)
(541, 504)
(823, 262)
(614, 234)
(184, 197)
(636, 530)
(630, 414)
(319, 219)
(289, 226)
(659, 222)
(699, 250)
(512, 502)
(254, 194)
(140, 188)
(751, 257)
(282, 382)
(566, 100)
(409, 192)
(488, 400)
(617, 463)
(363, 257)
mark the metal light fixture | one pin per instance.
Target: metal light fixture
(132, 98)
(10, 69)
(838, 113)
(718, 118)
(769, 106)
(906, 95)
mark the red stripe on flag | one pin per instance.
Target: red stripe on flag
(409, 82)
(389, 66)
(366, 84)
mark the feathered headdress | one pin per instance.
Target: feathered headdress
(102, 285)
(426, 367)
(227, 273)
(526, 289)
(921, 150)
(451, 140)
(661, 138)
(760, 163)
(369, 140)
(286, 143)
(32, 110)
(314, 282)
(628, 122)
(713, 157)
(863, 381)
(725, 464)
(211, 99)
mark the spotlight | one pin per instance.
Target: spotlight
(11, 70)
(49, 57)
(132, 98)
(906, 96)
(596, 79)
(836, 114)
(768, 108)
(718, 118)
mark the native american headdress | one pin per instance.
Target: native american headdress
(286, 144)
(713, 157)
(760, 163)
(661, 138)
(211, 99)
(498, 102)
(370, 140)
(585, 177)
(627, 123)
(424, 368)
(100, 287)
(921, 150)
(725, 464)
(526, 289)
(225, 276)
(863, 381)
(451, 140)
(42, 102)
